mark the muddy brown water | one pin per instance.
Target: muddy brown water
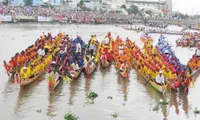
(132, 100)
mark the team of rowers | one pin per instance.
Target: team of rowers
(63, 53)
(189, 39)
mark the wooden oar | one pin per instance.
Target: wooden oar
(117, 70)
(5, 64)
(67, 79)
(147, 81)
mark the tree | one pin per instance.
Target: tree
(123, 6)
(28, 2)
(133, 10)
(5, 2)
(80, 4)
(149, 12)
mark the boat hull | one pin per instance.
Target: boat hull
(29, 81)
(104, 64)
(159, 88)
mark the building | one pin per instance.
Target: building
(55, 2)
(37, 2)
(159, 4)
(17, 2)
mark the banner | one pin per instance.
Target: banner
(22, 17)
(6, 18)
(45, 19)
(57, 18)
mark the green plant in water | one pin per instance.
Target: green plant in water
(109, 97)
(115, 115)
(196, 111)
(70, 116)
(92, 95)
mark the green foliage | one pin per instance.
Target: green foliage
(149, 12)
(109, 97)
(133, 10)
(70, 116)
(81, 2)
(115, 115)
(180, 15)
(5, 2)
(196, 111)
(124, 6)
(92, 95)
(28, 2)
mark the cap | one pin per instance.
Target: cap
(53, 62)
(160, 71)
(24, 68)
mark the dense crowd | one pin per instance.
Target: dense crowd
(88, 16)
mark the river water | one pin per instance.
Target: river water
(132, 100)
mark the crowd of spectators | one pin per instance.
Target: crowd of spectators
(87, 16)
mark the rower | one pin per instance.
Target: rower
(103, 57)
(41, 51)
(78, 47)
(76, 66)
(121, 48)
(25, 73)
(160, 79)
(92, 47)
(91, 64)
(123, 67)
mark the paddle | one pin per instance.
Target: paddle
(5, 64)
(117, 71)
(67, 79)
(147, 81)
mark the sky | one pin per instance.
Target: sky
(187, 6)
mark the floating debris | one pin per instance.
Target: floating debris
(51, 114)
(39, 111)
(110, 97)
(156, 108)
(196, 111)
(70, 116)
(115, 115)
(90, 101)
(26, 95)
(61, 94)
(92, 95)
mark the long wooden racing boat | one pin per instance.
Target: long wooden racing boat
(75, 74)
(30, 80)
(95, 60)
(159, 88)
(88, 72)
(124, 74)
(53, 81)
(188, 44)
(195, 74)
(25, 82)
(145, 38)
(104, 63)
